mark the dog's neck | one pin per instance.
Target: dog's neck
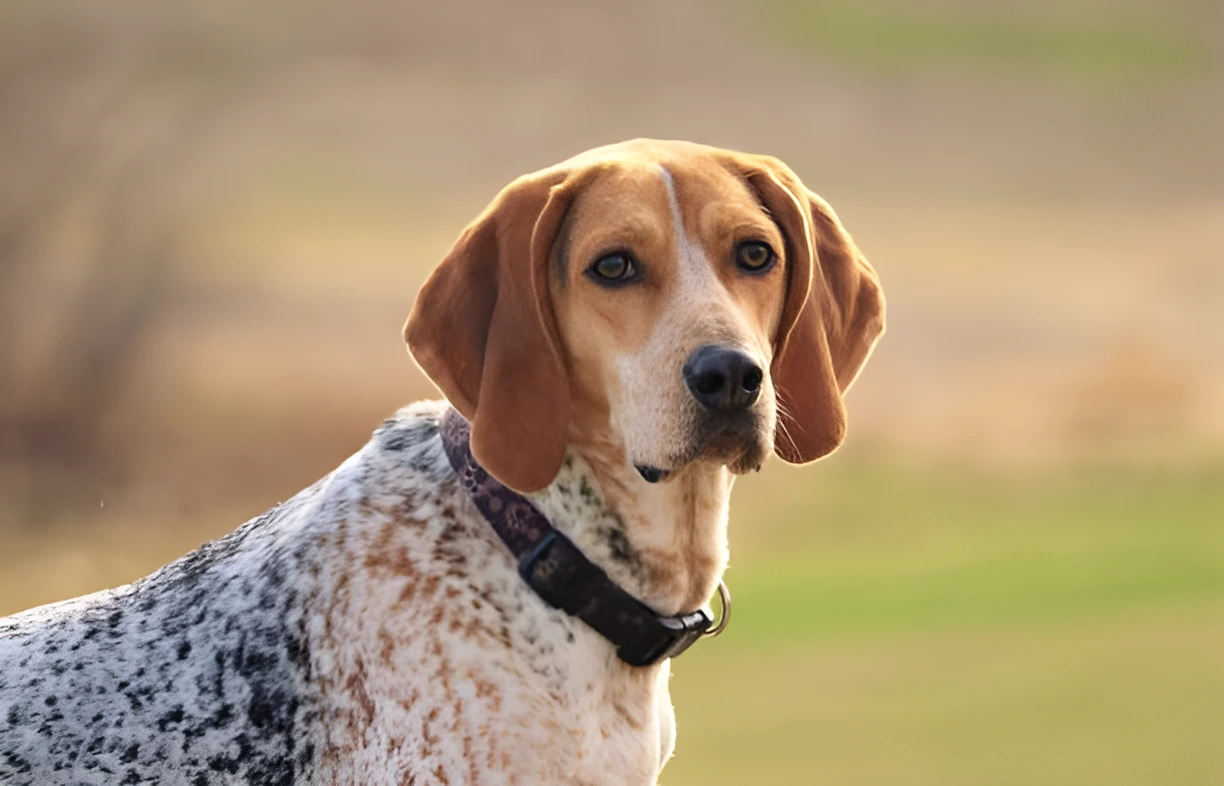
(665, 542)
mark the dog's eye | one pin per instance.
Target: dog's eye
(614, 269)
(754, 256)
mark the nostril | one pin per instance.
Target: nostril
(752, 379)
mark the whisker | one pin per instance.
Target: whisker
(784, 414)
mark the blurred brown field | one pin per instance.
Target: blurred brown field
(214, 218)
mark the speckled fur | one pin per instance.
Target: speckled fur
(372, 630)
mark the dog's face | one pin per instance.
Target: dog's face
(684, 303)
(667, 283)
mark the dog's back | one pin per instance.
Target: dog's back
(205, 668)
(197, 669)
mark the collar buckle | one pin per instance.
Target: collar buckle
(664, 637)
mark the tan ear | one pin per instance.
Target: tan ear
(483, 329)
(831, 319)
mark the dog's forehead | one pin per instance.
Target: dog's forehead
(664, 178)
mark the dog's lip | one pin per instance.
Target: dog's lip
(652, 474)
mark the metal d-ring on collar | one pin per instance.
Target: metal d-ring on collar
(562, 576)
(724, 602)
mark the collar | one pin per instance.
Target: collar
(562, 575)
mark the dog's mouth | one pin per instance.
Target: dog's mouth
(736, 444)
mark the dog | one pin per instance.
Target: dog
(617, 337)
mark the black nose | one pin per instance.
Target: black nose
(722, 379)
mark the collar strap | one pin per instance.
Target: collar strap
(559, 572)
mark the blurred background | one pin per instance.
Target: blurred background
(215, 216)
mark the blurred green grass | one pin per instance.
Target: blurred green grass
(950, 628)
(1103, 45)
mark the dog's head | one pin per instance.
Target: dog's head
(701, 304)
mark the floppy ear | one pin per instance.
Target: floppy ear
(483, 329)
(832, 316)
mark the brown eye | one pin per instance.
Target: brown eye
(754, 256)
(616, 268)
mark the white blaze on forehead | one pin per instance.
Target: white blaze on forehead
(695, 270)
(672, 200)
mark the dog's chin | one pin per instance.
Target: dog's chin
(739, 454)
